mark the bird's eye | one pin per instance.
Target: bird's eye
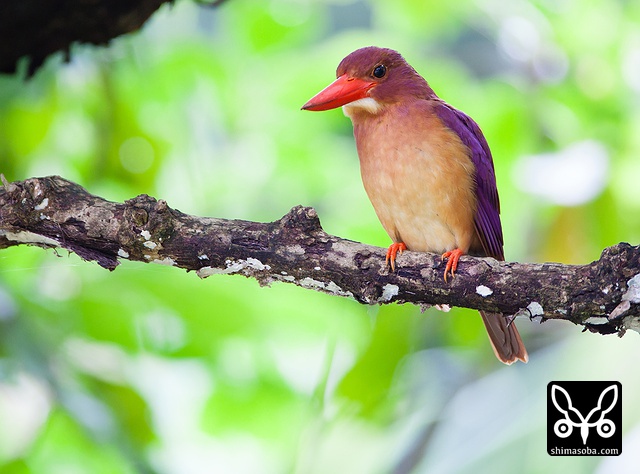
(379, 71)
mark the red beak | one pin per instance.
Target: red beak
(340, 92)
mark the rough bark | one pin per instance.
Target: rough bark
(50, 212)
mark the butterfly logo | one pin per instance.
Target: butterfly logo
(574, 419)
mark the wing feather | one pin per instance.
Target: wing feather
(487, 217)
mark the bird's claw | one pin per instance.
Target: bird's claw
(452, 257)
(393, 250)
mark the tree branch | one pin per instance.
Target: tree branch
(37, 29)
(53, 212)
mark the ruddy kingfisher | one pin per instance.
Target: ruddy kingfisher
(426, 168)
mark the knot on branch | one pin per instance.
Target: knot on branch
(301, 218)
(622, 259)
(139, 209)
(147, 227)
(25, 192)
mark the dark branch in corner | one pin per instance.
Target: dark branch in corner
(53, 212)
(38, 29)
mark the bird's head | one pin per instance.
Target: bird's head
(368, 80)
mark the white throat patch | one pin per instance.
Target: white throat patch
(367, 104)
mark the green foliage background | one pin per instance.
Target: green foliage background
(149, 369)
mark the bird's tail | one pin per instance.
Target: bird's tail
(504, 338)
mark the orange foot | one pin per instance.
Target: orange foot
(452, 264)
(392, 251)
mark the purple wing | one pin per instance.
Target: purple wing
(487, 218)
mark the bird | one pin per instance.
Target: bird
(426, 167)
